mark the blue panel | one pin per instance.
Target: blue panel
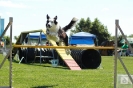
(83, 34)
(1, 26)
(37, 36)
(82, 38)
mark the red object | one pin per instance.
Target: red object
(72, 64)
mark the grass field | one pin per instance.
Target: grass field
(45, 76)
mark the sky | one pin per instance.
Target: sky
(31, 14)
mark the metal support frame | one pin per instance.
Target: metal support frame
(118, 56)
(40, 39)
(9, 53)
(10, 68)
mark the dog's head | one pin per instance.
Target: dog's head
(51, 22)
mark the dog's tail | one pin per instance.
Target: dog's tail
(70, 25)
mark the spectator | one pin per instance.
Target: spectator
(125, 48)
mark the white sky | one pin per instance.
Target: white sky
(31, 14)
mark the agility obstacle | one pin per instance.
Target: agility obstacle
(61, 52)
(63, 47)
(86, 57)
(60, 49)
(117, 26)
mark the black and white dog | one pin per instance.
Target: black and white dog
(56, 33)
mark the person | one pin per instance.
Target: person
(125, 48)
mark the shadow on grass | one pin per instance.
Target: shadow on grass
(43, 65)
(60, 67)
(44, 86)
(49, 65)
(14, 60)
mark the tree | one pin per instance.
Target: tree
(95, 27)
(100, 31)
(7, 38)
(16, 37)
(83, 25)
(131, 35)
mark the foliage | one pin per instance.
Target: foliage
(38, 75)
(7, 38)
(100, 31)
(131, 35)
(83, 25)
(120, 37)
(16, 37)
(95, 27)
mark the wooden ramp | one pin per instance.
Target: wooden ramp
(69, 61)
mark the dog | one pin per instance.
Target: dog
(56, 33)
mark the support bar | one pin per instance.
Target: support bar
(64, 47)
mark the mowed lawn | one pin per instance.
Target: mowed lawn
(35, 75)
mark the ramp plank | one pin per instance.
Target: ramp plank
(69, 61)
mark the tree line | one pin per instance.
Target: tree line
(97, 28)
(86, 25)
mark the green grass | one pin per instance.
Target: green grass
(46, 76)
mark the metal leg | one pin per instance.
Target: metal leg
(21, 60)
